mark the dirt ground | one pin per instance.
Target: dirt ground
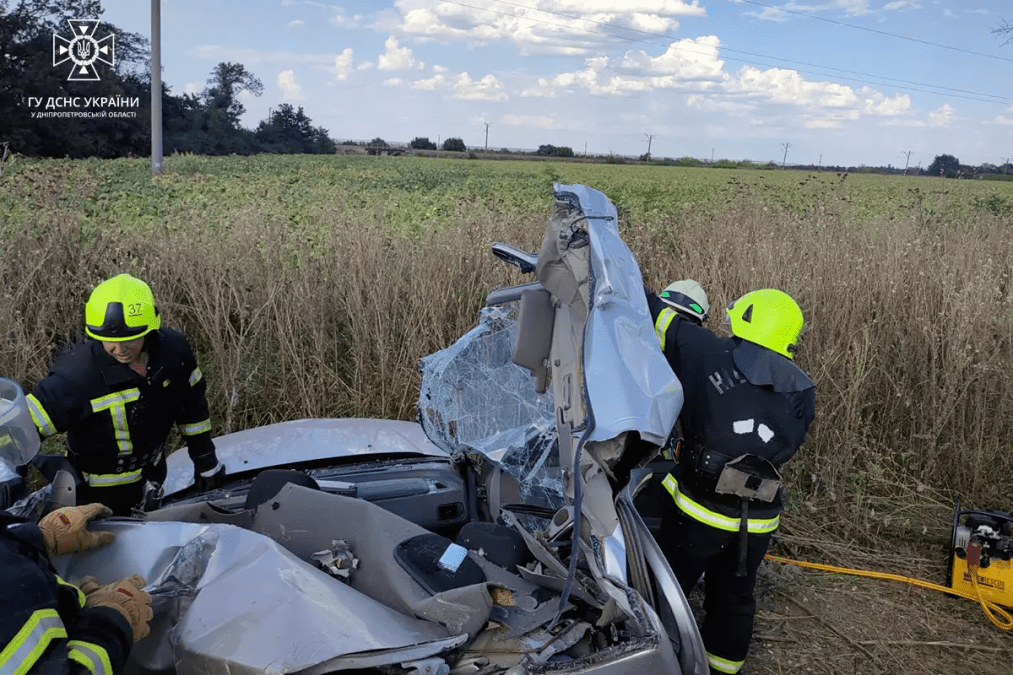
(810, 621)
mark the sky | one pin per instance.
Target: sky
(833, 82)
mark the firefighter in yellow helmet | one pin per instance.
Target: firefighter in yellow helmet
(118, 396)
(747, 411)
(47, 624)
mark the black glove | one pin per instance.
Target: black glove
(212, 482)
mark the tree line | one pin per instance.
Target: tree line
(45, 114)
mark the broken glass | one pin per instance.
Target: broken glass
(475, 400)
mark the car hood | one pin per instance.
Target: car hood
(301, 441)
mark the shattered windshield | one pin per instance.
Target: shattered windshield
(474, 399)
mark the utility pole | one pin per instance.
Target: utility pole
(712, 155)
(1005, 163)
(820, 165)
(785, 146)
(650, 137)
(907, 160)
(487, 136)
(156, 87)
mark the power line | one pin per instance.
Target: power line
(879, 32)
(955, 93)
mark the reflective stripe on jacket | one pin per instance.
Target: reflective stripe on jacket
(701, 513)
(117, 421)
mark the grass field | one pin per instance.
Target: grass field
(311, 286)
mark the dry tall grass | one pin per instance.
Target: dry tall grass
(909, 325)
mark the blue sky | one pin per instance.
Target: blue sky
(840, 82)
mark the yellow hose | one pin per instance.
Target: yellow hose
(995, 613)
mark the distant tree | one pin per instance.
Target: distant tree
(227, 82)
(290, 131)
(944, 165)
(376, 146)
(422, 143)
(454, 145)
(1004, 30)
(554, 151)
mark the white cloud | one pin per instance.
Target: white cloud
(393, 82)
(853, 7)
(192, 88)
(397, 58)
(342, 20)
(529, 121)
(543, 90)
(943, 117)
(537, 26)
(291, 90)
(690, 59)
(1003, 120)
(297, 22)
(486, 89)
(712, 104)
(434, 83)
(902, 4)
(463, 87)
(342, 64)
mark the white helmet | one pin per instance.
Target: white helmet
(688, 298)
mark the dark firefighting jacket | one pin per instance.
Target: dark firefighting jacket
(44, 625)
(740, 398)
(117, 421)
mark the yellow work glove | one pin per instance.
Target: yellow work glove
(66, 530)
(124, 595)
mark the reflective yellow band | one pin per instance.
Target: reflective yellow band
(116, 404)
(724, 665)
(661, 325)
(21, 653)
(80, 595)
(41, 418)
(195, 376)
(720, 521)
(196, 428)
(112, 479)
(91, 656)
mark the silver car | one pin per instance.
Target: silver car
(496, 535)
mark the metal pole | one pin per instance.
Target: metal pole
(156, 87)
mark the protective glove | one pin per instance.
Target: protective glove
(66, 530)
(210, 480)
(126, 596)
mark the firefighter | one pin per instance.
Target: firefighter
(683, 300)
(48, 625)
(747, 410)
(117, 397)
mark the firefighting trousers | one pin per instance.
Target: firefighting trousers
(692, 549)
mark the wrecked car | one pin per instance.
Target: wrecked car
(498, 534)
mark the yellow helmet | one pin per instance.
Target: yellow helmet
(769, 318)
(121, 309)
